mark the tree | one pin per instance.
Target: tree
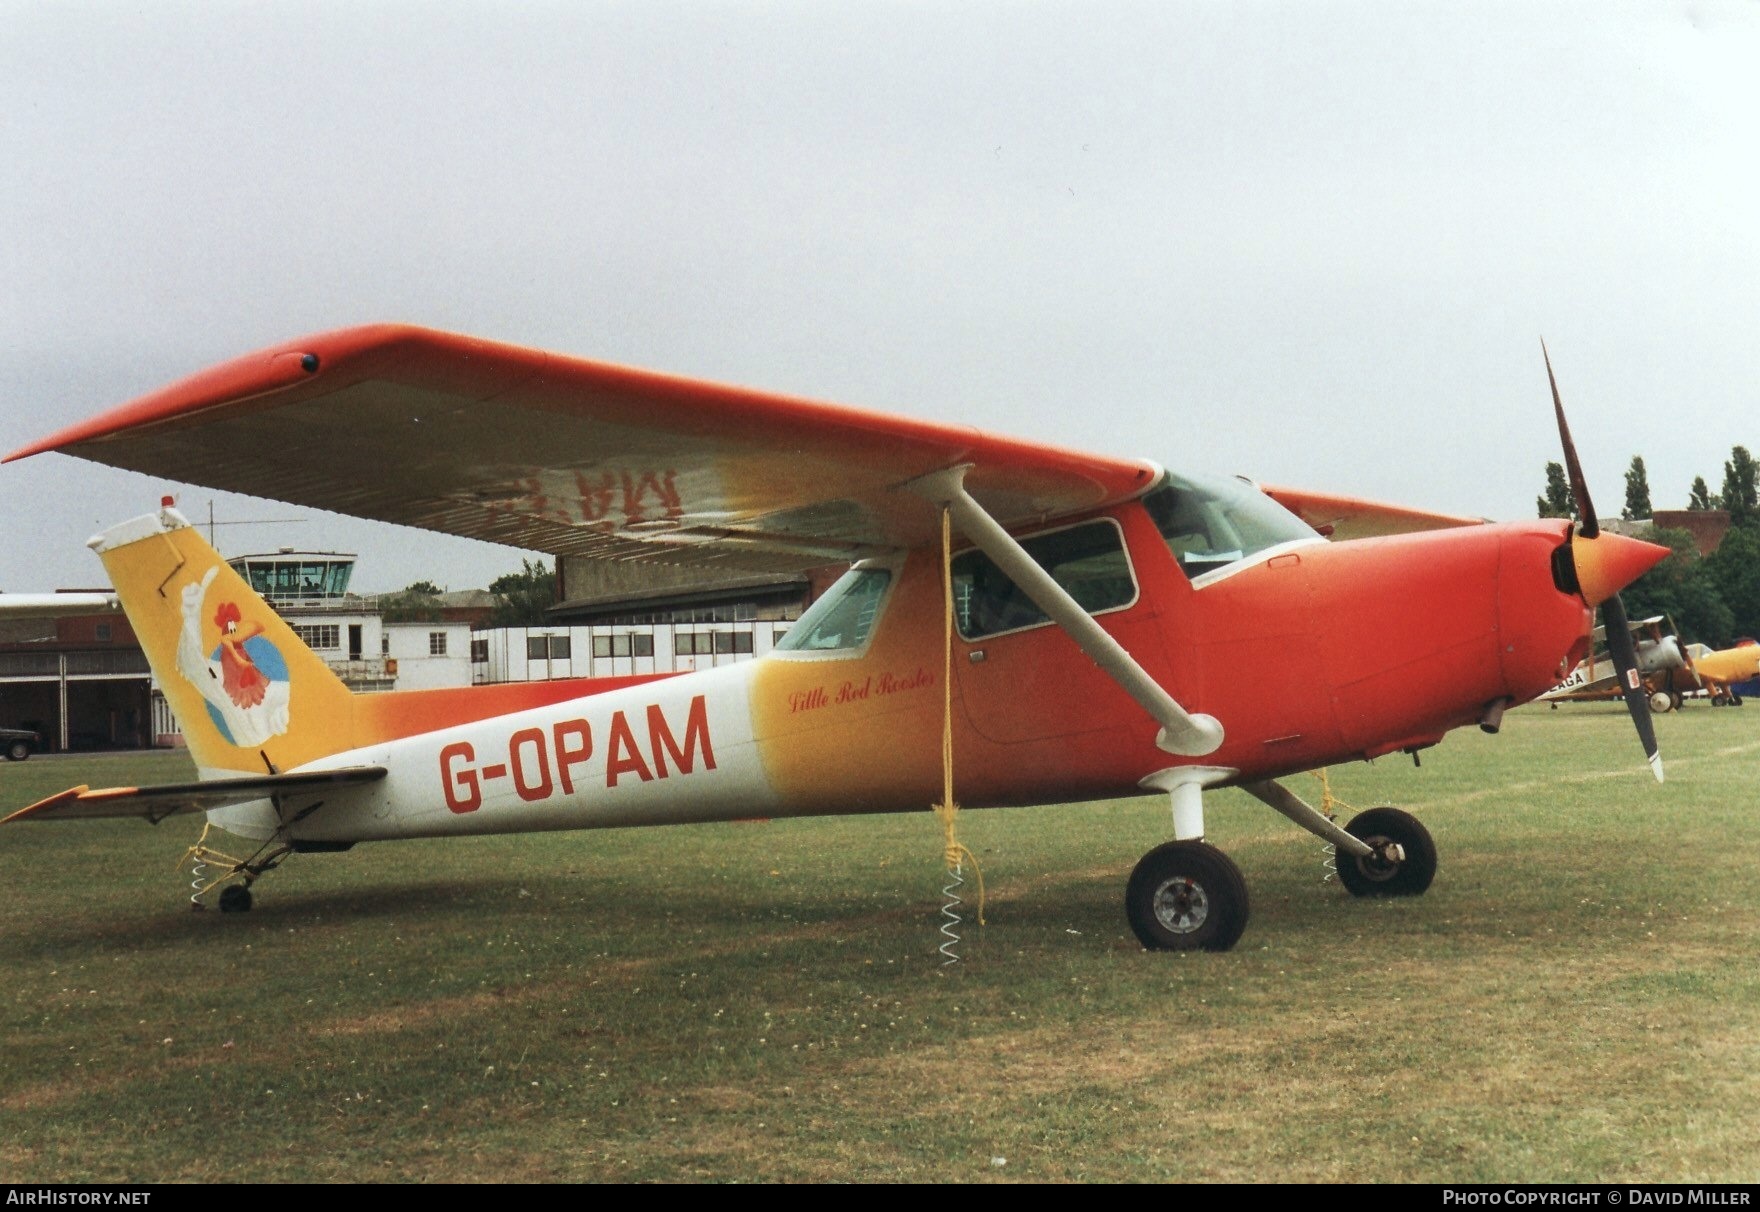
(416, 604)
(523, 596)
(1685, 587)
(1637, 490)
(1738, 487)
(1558, 501)
(1735, 569)
(1700, 499)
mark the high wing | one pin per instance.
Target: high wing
(170, 799)
(1350, 518)
(574, 457)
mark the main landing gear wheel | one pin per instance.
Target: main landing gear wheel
(1660, 703)
(1381, 873)
(1186, 896)
(235, 898)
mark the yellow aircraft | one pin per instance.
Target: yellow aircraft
(1722, 671)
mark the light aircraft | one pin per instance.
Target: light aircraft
(1665, 666)
(1721, 671)
(1101, 626)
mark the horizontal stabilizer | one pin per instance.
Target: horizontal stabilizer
(169, 799)
(57, 605)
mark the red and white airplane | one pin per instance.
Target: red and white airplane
(1095, 626)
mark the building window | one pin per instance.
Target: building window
(479, 652)
(320, 637)
(555, 647)
(708, 643)
(617, 645)
(643, 645)
(103, 633)
(384, 643)
(436, 643)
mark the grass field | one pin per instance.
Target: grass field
(1577, 998)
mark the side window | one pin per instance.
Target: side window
(844, 617)
(1089, 561)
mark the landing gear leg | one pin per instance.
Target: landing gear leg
(233, 897)
(1187, 895)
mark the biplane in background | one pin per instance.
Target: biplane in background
(1664, 661)
(1669, 668)
(1119, 627)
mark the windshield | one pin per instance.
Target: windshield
(1209, 524)
(843, 618)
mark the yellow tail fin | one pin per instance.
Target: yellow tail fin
(248, 693)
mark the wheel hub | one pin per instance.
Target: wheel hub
(1384, 863)
(1181, 905)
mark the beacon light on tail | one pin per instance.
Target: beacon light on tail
(1119, 627)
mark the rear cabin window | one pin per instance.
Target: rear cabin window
(842, 619)
(1089, 561)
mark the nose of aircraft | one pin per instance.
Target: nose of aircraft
(1608, 562)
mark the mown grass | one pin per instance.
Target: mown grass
(1578, 997)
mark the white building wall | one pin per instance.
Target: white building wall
(512, 654)
(411, 645)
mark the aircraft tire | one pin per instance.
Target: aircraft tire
(1675, 699)
(1376, 877)
(1187, 896)
(235, 898)
(1660, 704)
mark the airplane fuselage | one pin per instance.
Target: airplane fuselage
(1310, 654)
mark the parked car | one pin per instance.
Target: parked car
(19, 743)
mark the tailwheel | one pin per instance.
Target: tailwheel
(235, 898)
(1404, 861)
(1187, 896)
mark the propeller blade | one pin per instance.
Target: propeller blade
(1686, 652)
(1589, 526)
(1625, 663)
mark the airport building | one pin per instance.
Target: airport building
(82, 682)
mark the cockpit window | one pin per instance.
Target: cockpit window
(843, 618)
(1209, 524)
(1088, 560)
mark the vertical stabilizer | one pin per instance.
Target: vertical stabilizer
(248, 693)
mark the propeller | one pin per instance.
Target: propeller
(1686, 651)
(1602, 567)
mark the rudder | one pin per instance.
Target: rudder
(247, 692)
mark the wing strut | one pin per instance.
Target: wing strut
(1182, 732)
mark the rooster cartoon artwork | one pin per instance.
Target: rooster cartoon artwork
(244, 679)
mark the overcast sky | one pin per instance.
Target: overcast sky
(1314, 243)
